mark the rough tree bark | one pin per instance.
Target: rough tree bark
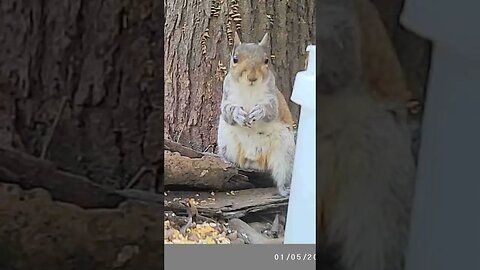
(104, 58)
(198, 39)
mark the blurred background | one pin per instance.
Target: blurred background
(80, 115)
(104, 59)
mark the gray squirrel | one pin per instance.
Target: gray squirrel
(256, 128)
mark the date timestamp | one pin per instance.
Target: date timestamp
(295, 257)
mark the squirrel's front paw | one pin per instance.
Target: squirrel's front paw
(240, 116)
(257, 113)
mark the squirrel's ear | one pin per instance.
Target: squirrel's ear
(236, 40)
(265, 41)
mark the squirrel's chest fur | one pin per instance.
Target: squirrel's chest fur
(255, 142)
(248, 96)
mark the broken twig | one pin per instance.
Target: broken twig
(53, 128)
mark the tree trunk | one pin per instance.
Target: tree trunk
(198, 39)
(104, 59)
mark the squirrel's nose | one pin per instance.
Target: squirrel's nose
(252, 78)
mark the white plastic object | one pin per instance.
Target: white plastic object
(445, 226)
(452, 23)
(301, 223)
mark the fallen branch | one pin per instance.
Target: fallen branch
(31, 172)
(136, 178)
(205, 173)
(183, 150)
(140, 195)
(227, 205)
(250, 235)
(257, 179)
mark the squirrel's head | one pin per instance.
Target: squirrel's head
(249, 62)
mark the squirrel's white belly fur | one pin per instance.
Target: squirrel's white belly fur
(261, 138)
(265, 146)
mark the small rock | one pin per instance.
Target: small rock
(168, 233)
(223, 240)
(177, 241)
(193, 237)
(238, 241)
(232, 236)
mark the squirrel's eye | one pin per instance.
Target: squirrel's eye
(235, 59)
(266, 61)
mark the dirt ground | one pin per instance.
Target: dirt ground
(41, 234)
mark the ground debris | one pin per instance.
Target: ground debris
(203, 233)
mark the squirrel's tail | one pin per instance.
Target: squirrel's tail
(281, 161)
